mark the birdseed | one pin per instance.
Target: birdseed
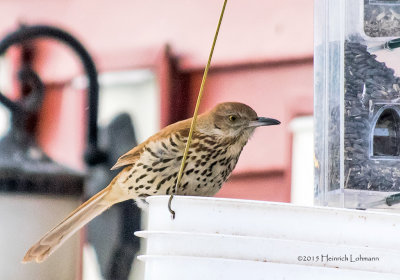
(382, 18)
(371, 105)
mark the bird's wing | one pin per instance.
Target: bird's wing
(128, 158)
(182, 128)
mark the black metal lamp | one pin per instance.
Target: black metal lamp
(25, 168)
(23, 165)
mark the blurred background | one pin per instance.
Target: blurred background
(150, 57)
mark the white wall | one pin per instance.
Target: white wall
(23, 221)
(302, 161)
(5, 85)
(134, 92)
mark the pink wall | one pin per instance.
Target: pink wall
(263, 58)
(264, 186)
(271, 91)
(252, 31)
(280, 91)
(62, 131)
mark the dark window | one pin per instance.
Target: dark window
(386, 134)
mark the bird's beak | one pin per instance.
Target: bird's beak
(261, 121)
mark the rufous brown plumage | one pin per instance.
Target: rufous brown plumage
(151, 168)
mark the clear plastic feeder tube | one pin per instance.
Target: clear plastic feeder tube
(357, 103)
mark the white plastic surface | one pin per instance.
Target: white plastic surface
(268, 250)
(185, 268)
(276, 220)
(214, 238)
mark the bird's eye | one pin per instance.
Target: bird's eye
(232, 118)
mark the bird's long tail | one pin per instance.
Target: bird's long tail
(77, 219)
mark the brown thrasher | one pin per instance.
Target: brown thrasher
(151, 168)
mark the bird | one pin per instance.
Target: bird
(151, 168)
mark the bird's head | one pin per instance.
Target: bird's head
(233, 119)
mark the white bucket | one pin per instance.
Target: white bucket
(269, 250)
(193, 268)
(279, 236)
(276, 220)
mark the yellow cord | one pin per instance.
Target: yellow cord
(194, 119)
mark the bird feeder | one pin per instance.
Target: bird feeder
(357, 103)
